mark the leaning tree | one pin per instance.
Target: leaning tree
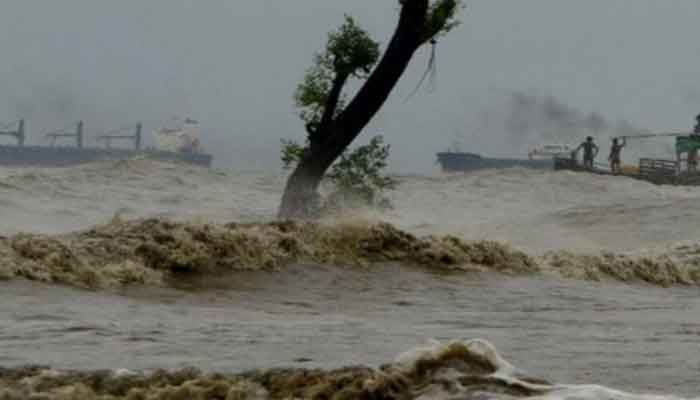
(332, 123)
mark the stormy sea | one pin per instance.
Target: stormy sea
(145, 280)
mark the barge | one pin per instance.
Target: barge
(541, 157)
(453, 161)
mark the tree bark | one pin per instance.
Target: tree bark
(301, 192)
(332, 103)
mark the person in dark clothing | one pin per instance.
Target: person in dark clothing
(692, 160)
(615, 152)
(590, 151)
(693, 154)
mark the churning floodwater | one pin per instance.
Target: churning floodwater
(540, 210)
(631, 335)
(637, 338)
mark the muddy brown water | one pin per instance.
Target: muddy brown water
(631, 337)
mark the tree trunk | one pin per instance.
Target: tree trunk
(301, 199)
(301, 193)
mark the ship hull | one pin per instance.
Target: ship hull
(40, 156)
(465, 162)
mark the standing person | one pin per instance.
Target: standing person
(615, 152)
(590, 151)
(693, 153)
(692, 160)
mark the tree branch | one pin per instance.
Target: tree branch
(407, 38)
(440, 18)
(330, 108)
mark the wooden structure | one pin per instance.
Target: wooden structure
(656, 171)
(650, 168)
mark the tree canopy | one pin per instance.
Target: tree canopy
(350, 52)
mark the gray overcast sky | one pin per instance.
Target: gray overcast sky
(234, 64)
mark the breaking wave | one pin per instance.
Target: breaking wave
(458, 370)
(153, 251)
(535, 210)
(158, 251)
(58, 227)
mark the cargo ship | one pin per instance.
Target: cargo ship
(178, 142)
(541, 157)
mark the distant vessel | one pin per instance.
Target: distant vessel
(181, 138)
(176, 143)
(539, 157)
(453, 161)
(549, 151)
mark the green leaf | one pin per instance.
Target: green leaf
(292, 152)
(350, 51)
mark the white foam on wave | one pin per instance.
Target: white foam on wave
(435, 350)
(506, 373)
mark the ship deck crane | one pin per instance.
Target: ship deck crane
(62, 133)
(115, 135)
(17, 134)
